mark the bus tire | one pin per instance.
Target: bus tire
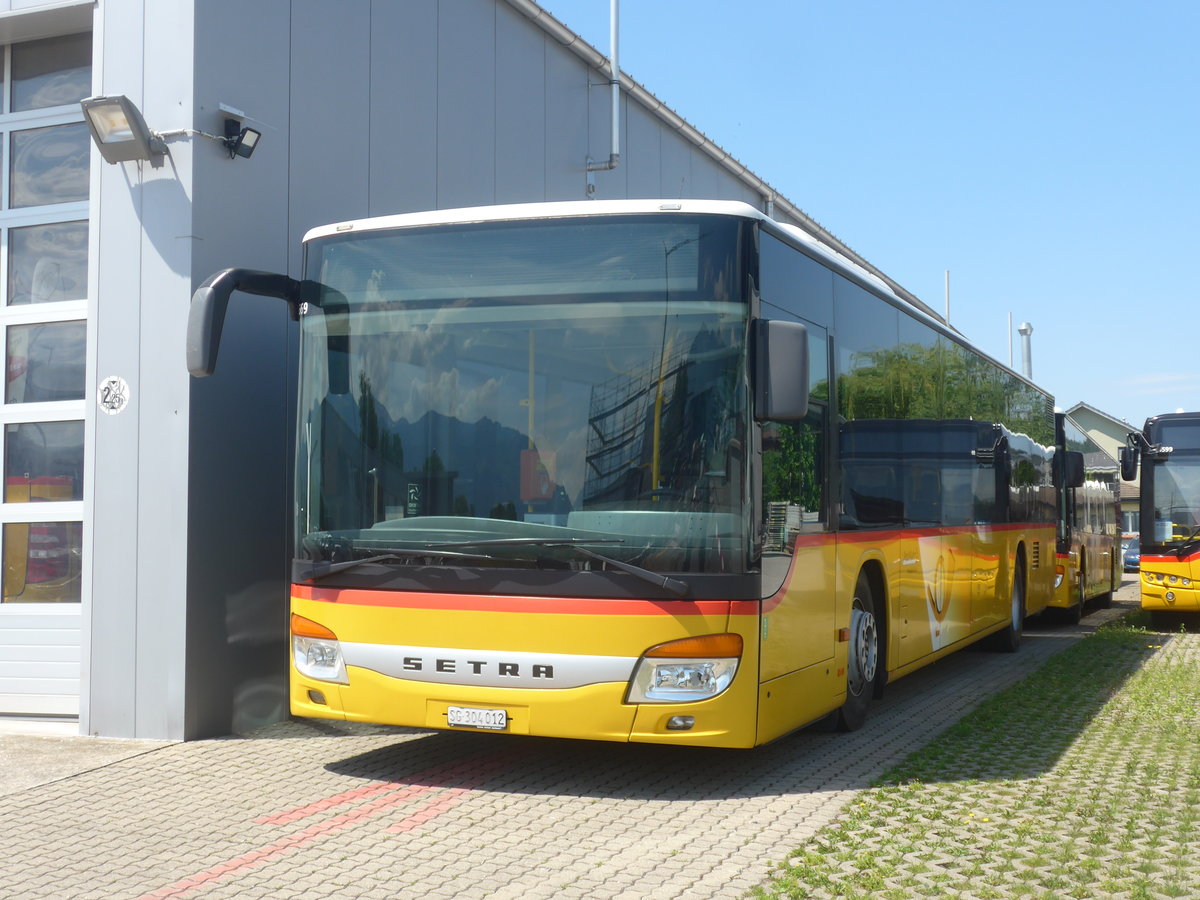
(863, 661)
(1105, 600)
(1075, 613)
(1009, 640)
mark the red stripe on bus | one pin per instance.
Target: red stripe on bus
(1190, 558)
(879, 534)
(882, 536)
(519, 604)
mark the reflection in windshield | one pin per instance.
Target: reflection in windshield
(573, 383)
(1176, 498)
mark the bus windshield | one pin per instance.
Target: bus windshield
(1176, 500)
(519, 385)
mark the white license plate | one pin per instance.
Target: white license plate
(471, 717)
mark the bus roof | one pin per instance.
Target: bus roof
(566, 209)
(580, 208)
(562, 209)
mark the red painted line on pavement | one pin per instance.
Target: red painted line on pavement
(273, 850)
(432, 809)
(303, 812)
(393, 794)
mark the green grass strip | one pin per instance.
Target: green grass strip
(1083, 780)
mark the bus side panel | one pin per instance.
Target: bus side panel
(954, 583)
(797, 699)
(954, 589)
(1066, 593)
(1100, 572)
(799, 636)
(945, 592)
(928, 608)
(1101, 552)
(791, 700)
(798, 622)
(989, 591)
(1040, 559)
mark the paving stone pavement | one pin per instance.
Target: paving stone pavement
(323, 810)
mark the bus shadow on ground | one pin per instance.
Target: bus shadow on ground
(925, 730)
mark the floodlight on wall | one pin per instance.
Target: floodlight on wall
(119, 131)
(240, 140)
(121, 134)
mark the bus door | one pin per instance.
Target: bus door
(798, 562)
(989, 491)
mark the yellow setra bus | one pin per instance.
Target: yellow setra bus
(1168, 448)
(1088, 554)
(666, 472)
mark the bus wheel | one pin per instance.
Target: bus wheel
(1075, 613)
(862, 669)
(1009, 640)
(1104, 601)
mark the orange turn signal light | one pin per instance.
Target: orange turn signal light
(716, 646)
(302, 627)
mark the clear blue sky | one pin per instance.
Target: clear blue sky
(1046, 153)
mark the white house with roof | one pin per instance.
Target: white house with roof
(1109, 432)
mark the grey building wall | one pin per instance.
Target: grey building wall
(367, 107)
(141, 272)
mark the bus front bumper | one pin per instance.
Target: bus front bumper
(591, 712)
(1161, 593)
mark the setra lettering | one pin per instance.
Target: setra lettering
(477, 667)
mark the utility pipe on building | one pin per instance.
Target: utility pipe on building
(614, 76)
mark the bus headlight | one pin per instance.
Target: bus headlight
(686, 670)
(316, 651)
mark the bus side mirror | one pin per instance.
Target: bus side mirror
(206, 317)
(780, 370)
(1073, 474)
(1129, 463)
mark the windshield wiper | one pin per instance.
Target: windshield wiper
(321, 570)
(1188, 542)
(671, 585)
